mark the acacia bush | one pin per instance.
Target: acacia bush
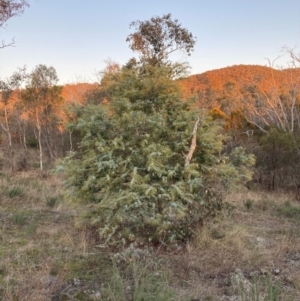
(130, 164)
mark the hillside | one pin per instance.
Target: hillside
(233, 82)
(74, 93)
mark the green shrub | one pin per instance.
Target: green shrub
(32, 142)
(152, 165)
(141, 185)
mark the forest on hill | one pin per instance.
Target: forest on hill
(215, 86)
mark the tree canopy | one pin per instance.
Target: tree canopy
(157, 38)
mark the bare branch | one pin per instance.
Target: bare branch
(189, 156)
(8, 10)
(11, 44)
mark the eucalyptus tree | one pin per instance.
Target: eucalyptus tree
(6, 91)
(42, 98)
(158, 38)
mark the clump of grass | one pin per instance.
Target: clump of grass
(52, 201)
(139, 282)
(15, 191)
(248, 203)
(38, 185)
(288, 210)
(262, 288)
(217, 234)
(264, 204)
(31, 229)
(135, 274)
(19, 218)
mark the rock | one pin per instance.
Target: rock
(96, 295)
(48, 281)
(231, 298)
(76, 282)
(254, 274)
(240, 282)
(264, 272)
(293, 259)
(66, 249)
(276, 271)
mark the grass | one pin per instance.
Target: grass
(263, 287)
(15, 192)
(44, 257)
(248, 203)
(52, 201)
(19, 218)
(137, 282)
(288, 210)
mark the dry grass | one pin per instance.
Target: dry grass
(43, 257)
(38, 242)
(255, 240)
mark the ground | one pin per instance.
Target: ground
(251, 252)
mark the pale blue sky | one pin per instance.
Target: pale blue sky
(77, 36)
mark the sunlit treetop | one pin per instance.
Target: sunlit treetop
(157, 38)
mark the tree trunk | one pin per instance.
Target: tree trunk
(38, 126)
(6, 128)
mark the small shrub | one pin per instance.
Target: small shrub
(21, 163)
(248, 204)
(35, 165)
(19, 218)
(15, 191)
(32, 142)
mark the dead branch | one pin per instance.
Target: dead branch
(189, 156)
(11, 44)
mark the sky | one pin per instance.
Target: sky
(77, 37)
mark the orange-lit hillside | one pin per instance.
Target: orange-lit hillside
(74, 93)
(233, 80)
